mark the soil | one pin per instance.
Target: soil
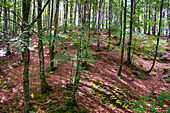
(104, 67)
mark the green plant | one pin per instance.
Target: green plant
(152, 103)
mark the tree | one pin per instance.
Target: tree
(8, 52)
(123, 42)
(157, 38)
(98, 28)
(168, 21)
(130, 37)
(121, 22)
(110, 19)
(44, 85)
(80, 53)
(25, 35)
(65, 15)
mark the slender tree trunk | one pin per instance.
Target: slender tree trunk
(33, 15)
(44, 85)
(79, 10)
(103, 15)
(75, 12)
(123, 42)
(51, 41)
(65, 19)
(98, 29)
(96, 6)
(154, 26)
(154, 60)
(79, 56)
(48, 19)
(145, 21)
(121, 23)
(0, 14)
(89, 17)
(168, 21)
(138, 24)
(8, 52)
(14, 18)
(106, 16)
(71, 9)
(25, 35)
(110, 19)
(149, 21)
(130, 38)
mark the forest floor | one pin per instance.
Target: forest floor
(100, 89)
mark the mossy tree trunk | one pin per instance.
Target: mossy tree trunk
(123, 42)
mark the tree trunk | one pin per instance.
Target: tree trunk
(154, 60)
(75, 12)
(48, 20)
(154, 26)
(106, 17)
(44, 85)
(14, 18)
(8, 52)
(121, 23)
(51, 41)
(79, 56)
(145, 21)
(96, 6)
(25, 35)
(123, 42)
(89, 17)
(71, 9)
(79, 10)
(65, 19)
(130, 38)
(110, 19)
(0, 14)
(103, 15)
(168, 21)
(98, 29)
(149, 21)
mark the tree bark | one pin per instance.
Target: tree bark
(25, 35)
(149, 21)
(8, 52)
(98, 29)
(65, 19)
(75, 12)
(71, 9)
(44, 85)
(154, 26)
(120, 39)
(80, 53)
(123, 42)
(154, 60)
(14, 18)
(110, 19)
(51, 41)
(130, 38)
(168, 21)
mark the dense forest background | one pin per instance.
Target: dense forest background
(84, 56)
